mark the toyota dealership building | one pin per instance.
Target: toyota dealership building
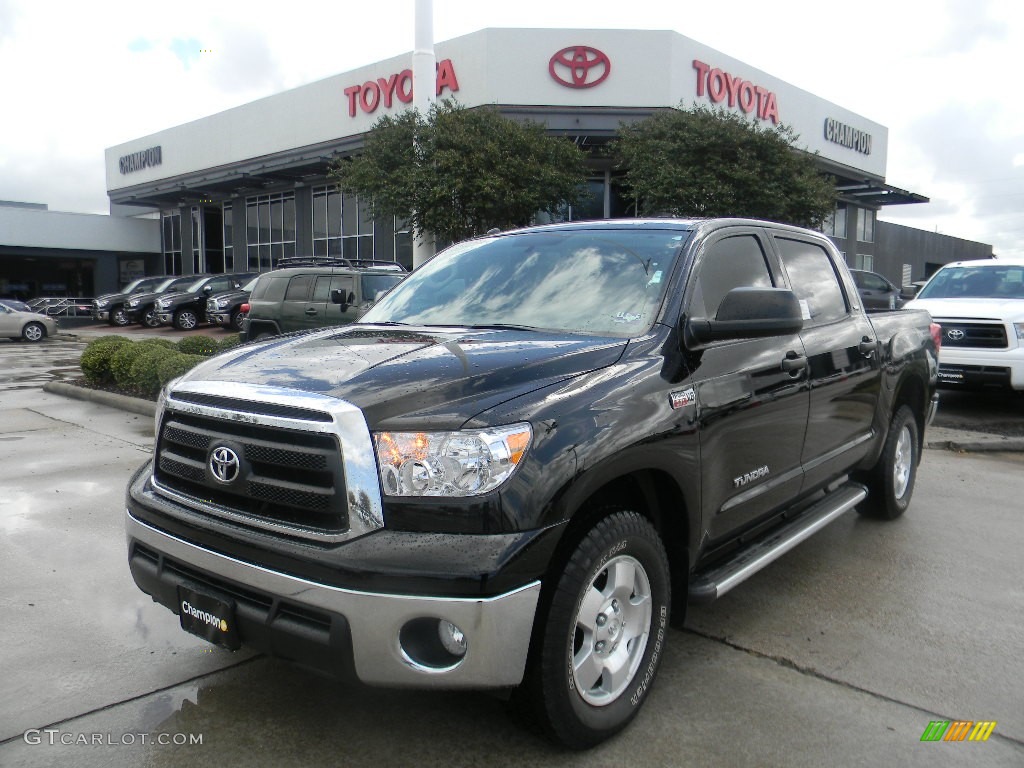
(241, 189)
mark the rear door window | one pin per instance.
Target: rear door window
(298, 288)
(813, 278)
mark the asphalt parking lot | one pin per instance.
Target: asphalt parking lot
(841, 653)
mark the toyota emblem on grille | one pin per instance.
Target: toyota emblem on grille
(955, 334)
(580, 66)
(224, 464)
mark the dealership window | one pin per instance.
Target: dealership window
(345, 226)
(866, 226)
(835, 225)
(198, 263)
(864, 261)
(229, 238)
(269, 230)
(170, 231)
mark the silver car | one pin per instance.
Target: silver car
(29, 326)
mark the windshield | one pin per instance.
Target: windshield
(197, 284)
(1000, 281)
(607, 282)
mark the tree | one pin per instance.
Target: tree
(458, 172)
(708, 162)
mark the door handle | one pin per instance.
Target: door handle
(794, 363)
(867, 346)
(310, 311)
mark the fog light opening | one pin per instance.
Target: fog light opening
(433, 644)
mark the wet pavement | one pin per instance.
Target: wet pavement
(840, 653)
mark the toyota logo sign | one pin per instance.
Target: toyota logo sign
(955, 334)
(224, 464)
(580, 66)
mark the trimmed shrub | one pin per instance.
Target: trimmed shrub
(121, 362)
(95, 361)
(142, 373)
(199, 345)
(229, 342)
(175, 365)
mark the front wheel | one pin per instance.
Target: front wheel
(891, 481)
(33, 332)
(118, 317)
(603, 635)
(237, 321)
(149, 318)
(185, 320)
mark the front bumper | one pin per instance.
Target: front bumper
(101, 315)
(165, 318)
(336, 630)
(219, 318)
(1003, 369)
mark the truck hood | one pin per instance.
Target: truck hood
(403, 377)
(1009, 310)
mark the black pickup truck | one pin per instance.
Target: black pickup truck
(519, 465)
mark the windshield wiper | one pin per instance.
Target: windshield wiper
(502, 327)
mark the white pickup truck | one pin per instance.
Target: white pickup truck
(980, 306)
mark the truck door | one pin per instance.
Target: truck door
(295, 315)
(843, 361)
(751, 394)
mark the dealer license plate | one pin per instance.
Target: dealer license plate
(208, 616)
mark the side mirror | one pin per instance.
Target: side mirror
(748, 313)
(910, 291)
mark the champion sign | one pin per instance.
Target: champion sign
(136, 161)
(847, 136)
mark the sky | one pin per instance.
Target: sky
(944, 76)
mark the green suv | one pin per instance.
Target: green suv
(316, 293)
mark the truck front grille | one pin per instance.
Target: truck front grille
(972, 334)
(286, 477)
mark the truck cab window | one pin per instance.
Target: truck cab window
(732, 262)
(814, 280)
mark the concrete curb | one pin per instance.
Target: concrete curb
(995, 444)
(111, 399)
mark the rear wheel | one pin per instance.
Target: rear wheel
(891, 481)
(603, 633)
(33, 332)
(185, 319)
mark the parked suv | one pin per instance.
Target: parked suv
(297, 298)
(225, 309)
(110, 307)
(186, 308)
(875, 291)
(140, 307)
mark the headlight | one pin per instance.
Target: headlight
(101, 303)
(163, 304)
(133, 303)
(1020, 330)
(463, 463)
(221, 303)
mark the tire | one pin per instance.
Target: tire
(148, 318)
(118, 317)
(185, 320)
(237, 321)
(891, 481)
(602, 635)
(33, 332)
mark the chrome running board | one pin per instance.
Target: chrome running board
(709, 585)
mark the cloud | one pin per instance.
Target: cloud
(969, 25)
